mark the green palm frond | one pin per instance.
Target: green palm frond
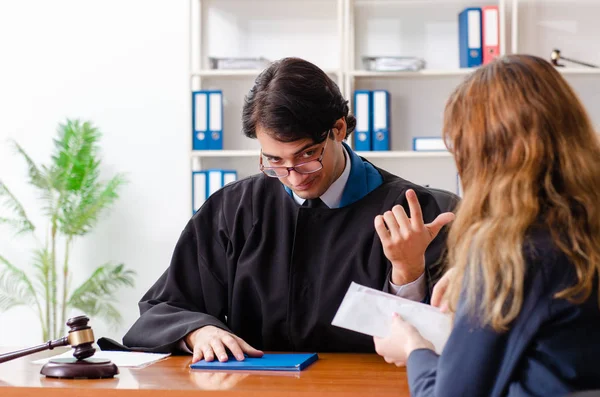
(41, 263)
(75, 171)
(41, 178)
(74, 161)
(15, 287)
(95, 296)
(49, 197)
(37, 178)
(80, 215)
(20, 222)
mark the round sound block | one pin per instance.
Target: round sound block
(71, 368)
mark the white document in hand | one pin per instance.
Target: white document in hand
(369, 311)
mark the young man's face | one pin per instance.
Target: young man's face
(288, 154)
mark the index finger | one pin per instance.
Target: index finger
(436, 296)
(439, 289)
(416, 216)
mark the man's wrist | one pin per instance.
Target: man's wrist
(408, 274)
(189, 338)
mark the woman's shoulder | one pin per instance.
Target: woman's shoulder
(546, 262)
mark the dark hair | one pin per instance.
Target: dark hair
(293, 99)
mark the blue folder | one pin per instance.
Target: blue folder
(268, 362)
(363, 114)
(469, 37)
(380, 114)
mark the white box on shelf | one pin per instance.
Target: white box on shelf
(429, 144)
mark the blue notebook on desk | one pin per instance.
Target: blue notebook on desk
(268, 362)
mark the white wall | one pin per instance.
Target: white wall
(124, 65)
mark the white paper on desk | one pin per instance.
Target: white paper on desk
(120, 358)
(369, 311)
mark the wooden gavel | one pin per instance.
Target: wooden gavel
(83, 365)
(556, 56)
(80, 337)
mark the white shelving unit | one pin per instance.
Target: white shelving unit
(540, 26)
(242, 73)
(336, 34)
(271, 29)
(381, 155)
(420, 73)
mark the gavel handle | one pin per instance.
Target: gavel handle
(51, 344)
(579, 62)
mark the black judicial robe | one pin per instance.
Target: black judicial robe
(254, 262)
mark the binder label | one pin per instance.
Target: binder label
(474, 21)
(491, 27)
(362, 106)
(200, 112)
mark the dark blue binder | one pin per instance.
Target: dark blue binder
(380, 118)
(268, 362)
(215, 120)
(469, 37)
(200, 120)
(363, 114)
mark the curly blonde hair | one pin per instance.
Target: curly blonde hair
(526, 154)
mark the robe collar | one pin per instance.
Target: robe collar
(363, 179)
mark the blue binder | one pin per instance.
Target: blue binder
(380, 131)
(215, 120)
(200, 120)
(469, 37)
(216, 179)
(207, 182)
(362, 112)
(199, 190)
(229, 176)
(268, 362)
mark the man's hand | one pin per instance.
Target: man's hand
(438, 296)
(209, 341)
(405, 239)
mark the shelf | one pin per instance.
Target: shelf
(420, 73)
(226, 73)
(225, 153)
(402, 154)
(392, 154)
(579, 70)
(375, 3)
(453, 72)
(240, 72)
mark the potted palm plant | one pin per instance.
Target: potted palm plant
(72, 199)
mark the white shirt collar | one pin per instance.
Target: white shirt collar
(333, 196)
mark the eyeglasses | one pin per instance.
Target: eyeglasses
(308, 167)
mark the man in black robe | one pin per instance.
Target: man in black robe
(267, 260)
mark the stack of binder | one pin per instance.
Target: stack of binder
(372, 112)
(207, 182)
(207, 120)
(478, 36)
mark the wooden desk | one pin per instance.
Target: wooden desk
(333, 374)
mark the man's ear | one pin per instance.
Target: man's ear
(339, 129)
